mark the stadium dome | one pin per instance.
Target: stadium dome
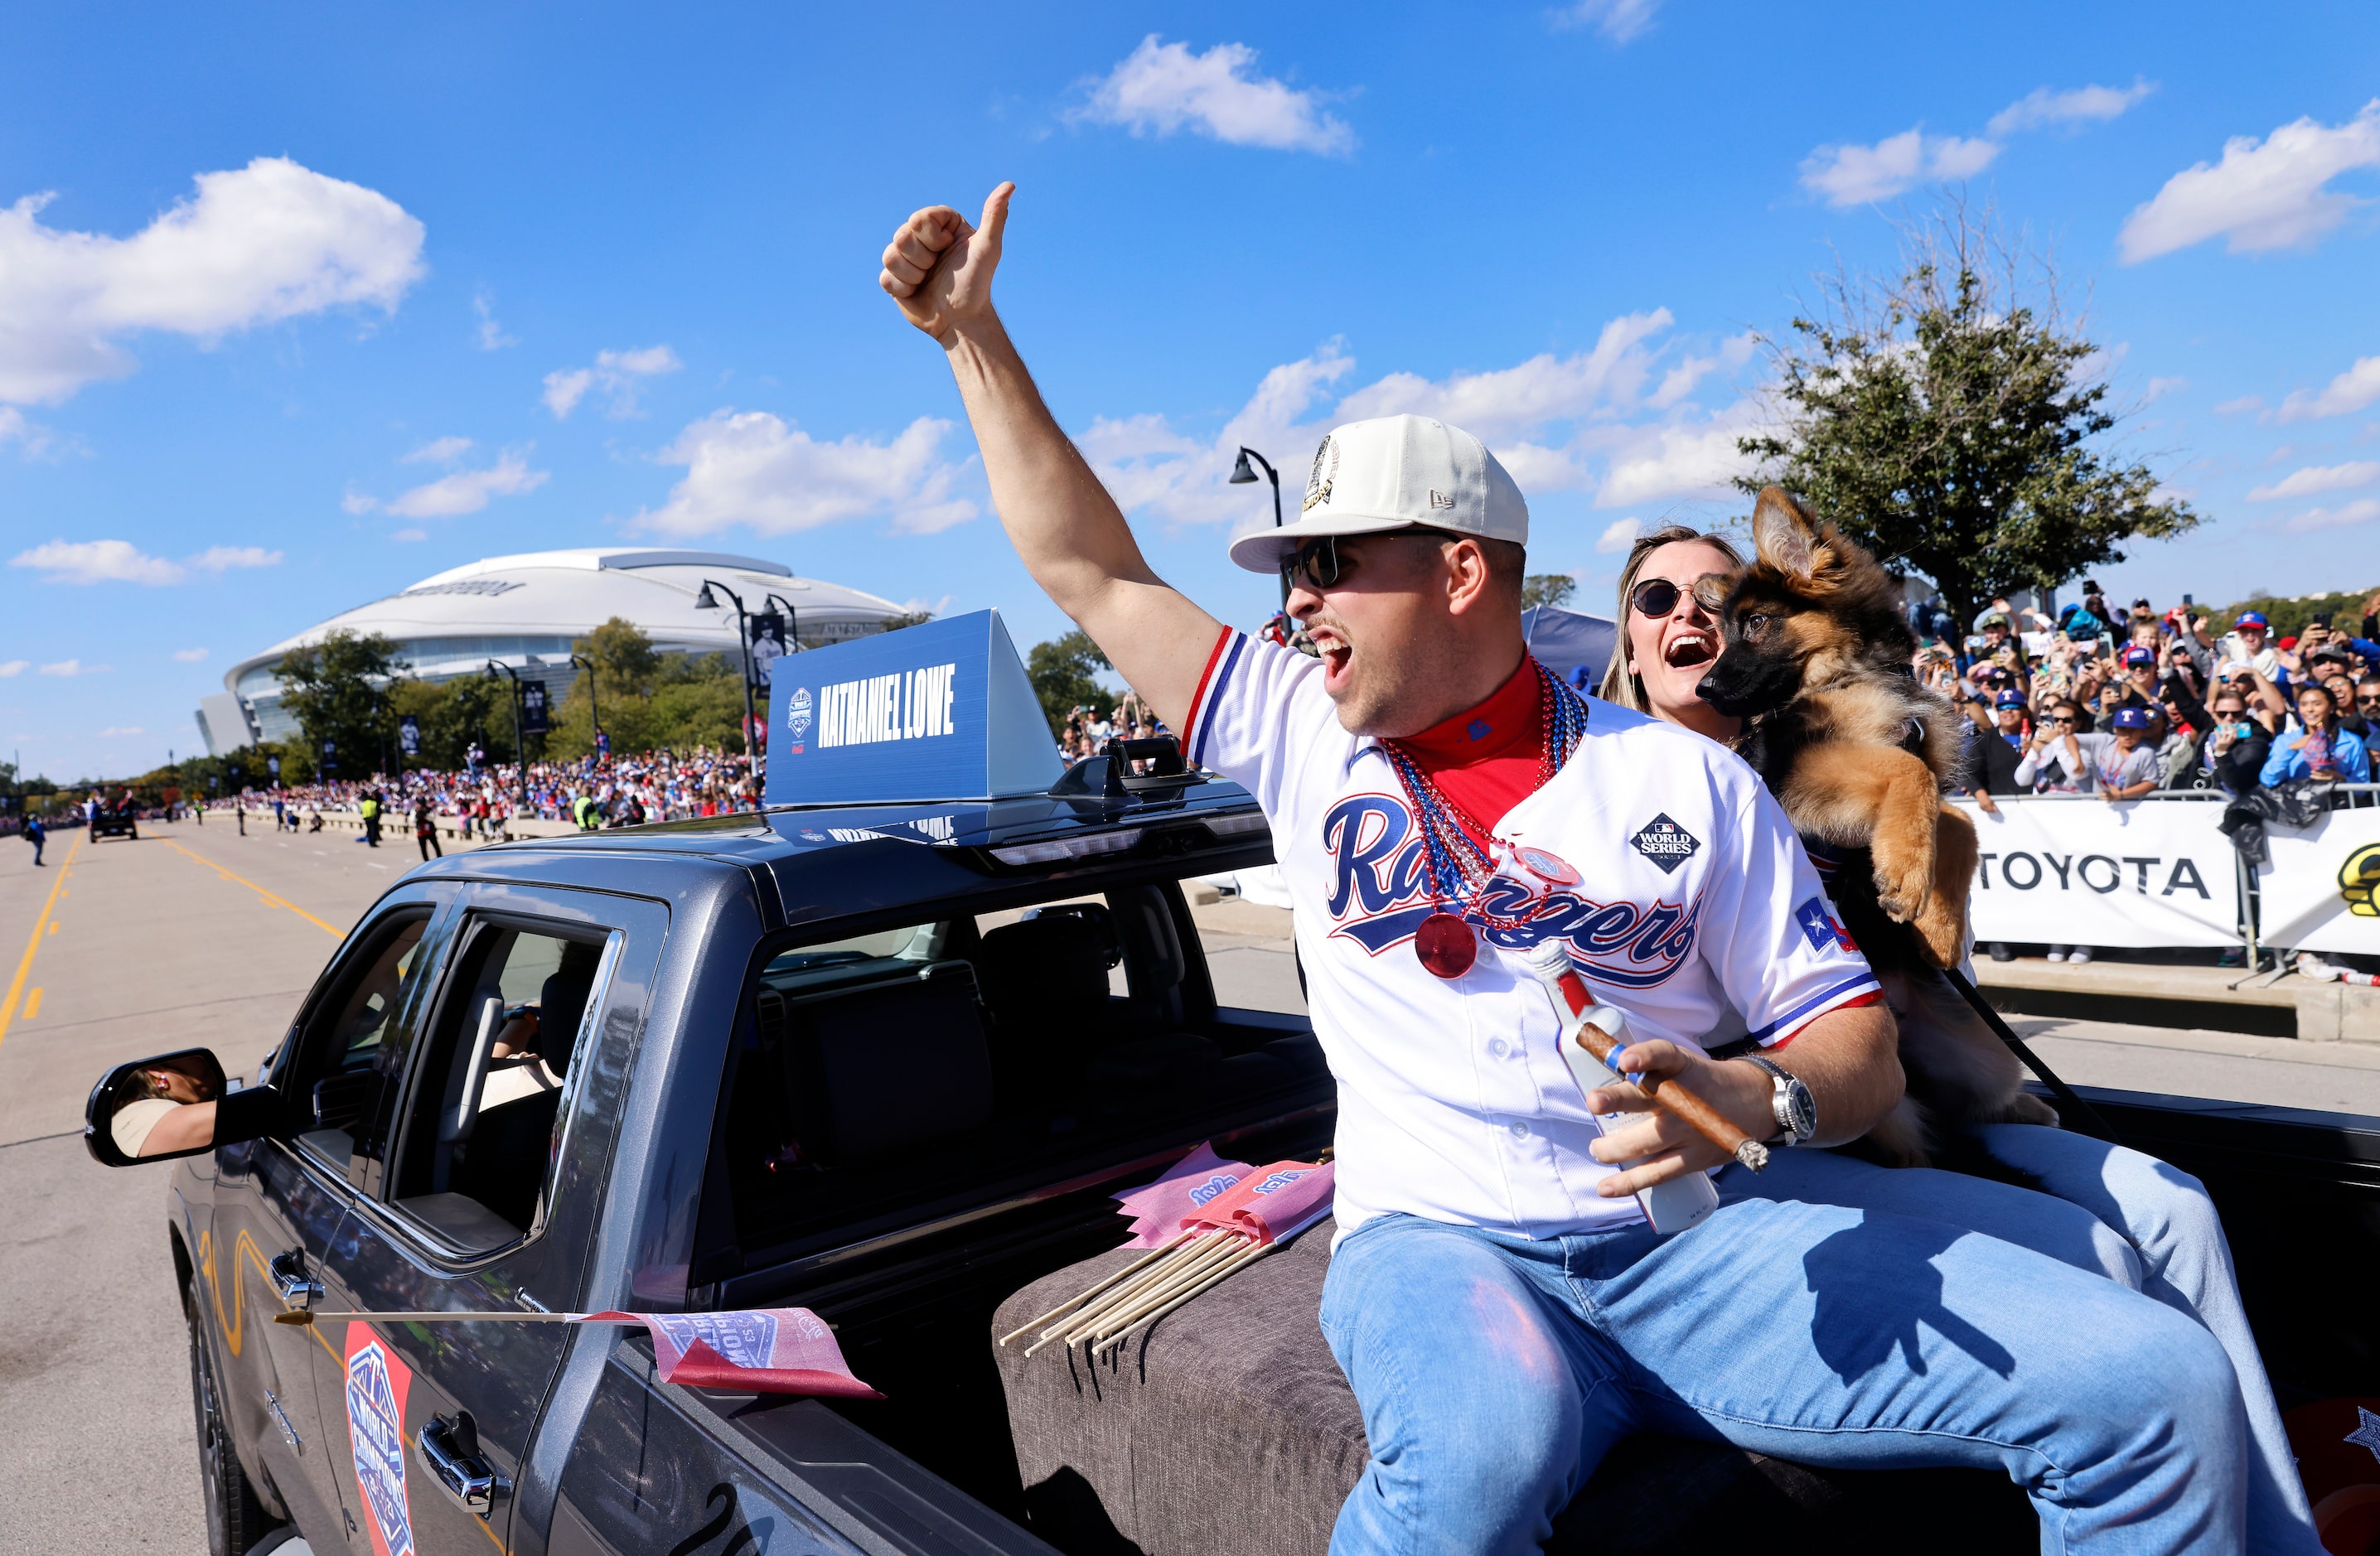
(524, 610)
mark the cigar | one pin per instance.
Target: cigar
(1593, 1026)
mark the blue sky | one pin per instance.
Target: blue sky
(296, 310)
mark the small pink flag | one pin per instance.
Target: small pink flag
(1273, 1204)
(763, 1350)
(1161, 1209)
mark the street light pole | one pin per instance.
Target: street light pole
(1243, 476)
(594, 709)
(520, 742)
(706, 602)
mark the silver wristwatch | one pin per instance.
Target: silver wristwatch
(1796, 1110)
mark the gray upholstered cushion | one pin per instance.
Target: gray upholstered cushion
(1228, 1431)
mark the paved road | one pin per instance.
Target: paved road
(145, 946)
(198, 937)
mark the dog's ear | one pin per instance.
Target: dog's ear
(1783, 533)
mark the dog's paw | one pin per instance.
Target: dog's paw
(1905, 884)
(1944, 931)
(2026, 1108)
(1899, 1138)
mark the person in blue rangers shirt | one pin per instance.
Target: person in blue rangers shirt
(1501, 1309)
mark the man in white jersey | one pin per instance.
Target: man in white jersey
(1438, 806)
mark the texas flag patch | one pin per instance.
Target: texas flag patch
(1821, 927)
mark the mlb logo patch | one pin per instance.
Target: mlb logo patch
(1820, 926)
(1665, 843)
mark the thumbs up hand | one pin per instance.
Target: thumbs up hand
(938, 268)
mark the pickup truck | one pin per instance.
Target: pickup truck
(888, 1063)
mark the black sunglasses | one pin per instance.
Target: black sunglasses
(1657, 597)
(1317, 564)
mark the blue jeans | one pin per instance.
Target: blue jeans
(2147, 1226)
(1495, 1372)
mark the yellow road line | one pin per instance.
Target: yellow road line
(34, 943)
(34, 1004)
(268, 897)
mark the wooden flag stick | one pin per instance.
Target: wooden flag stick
(1189, 1280)
(1247, 1258)
(302, 1316)
(1181, 1273)
(1125, 1273)
(1160, 1274)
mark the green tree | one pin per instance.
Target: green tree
(1546, 588)
(649, 700)
(340, 691)
(1061, 673)
(1949, 419)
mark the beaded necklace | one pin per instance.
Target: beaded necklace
(1457, 866)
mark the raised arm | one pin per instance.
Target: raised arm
(1070, 533)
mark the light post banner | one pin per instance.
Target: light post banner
(2141, 873)
(2318, 892)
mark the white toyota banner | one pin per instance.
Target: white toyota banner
(2317, 895)
(2085, 872)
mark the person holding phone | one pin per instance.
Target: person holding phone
(2325, 752)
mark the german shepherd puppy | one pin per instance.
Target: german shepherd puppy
(1817, 662)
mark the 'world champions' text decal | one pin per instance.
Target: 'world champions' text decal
(1378, 899)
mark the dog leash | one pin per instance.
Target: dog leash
(2072, 1105)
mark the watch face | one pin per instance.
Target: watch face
(1802, 1107)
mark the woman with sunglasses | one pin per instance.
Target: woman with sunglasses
(1666, 640)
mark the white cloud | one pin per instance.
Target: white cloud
(358, 502)
(12, 669)
(2349, 392)
(2160, 387)
(2240, 406)
(1684, 457)
(222, 559)
(189, 656)
(410, 535)
(92, 561)
(2363, 510)
(68, 669)
(2043, 106)
(2263, 194)
(1621, 20)
(1161, 88)
(469, 491)
(1617, 536)
(1498, 405)
(752, 468)
(2319, 477)
(31, 438)
(491, 334)
(438, 451)
(269, 241)
(113, 731)
(1858, 175)
(614, 372)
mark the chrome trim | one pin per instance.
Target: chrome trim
(288, 1432)
(290, 1283)
(470, 1481)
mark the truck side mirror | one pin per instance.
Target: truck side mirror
(173, 1105)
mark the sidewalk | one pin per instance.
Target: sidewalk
(2147, 994)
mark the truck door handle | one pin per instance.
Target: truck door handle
(289, 1281)
(449, 1450)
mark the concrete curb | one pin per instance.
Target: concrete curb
(2170, 996)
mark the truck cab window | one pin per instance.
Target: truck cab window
(486, 1109)
(344, 1066)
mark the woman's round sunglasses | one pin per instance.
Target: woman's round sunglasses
(1657, 598)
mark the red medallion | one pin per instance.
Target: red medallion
(1446, 945)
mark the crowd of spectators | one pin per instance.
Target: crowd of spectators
(2121, 704)
(1088, 728)
(484, 797)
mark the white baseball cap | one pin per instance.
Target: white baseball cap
(1391, 473)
